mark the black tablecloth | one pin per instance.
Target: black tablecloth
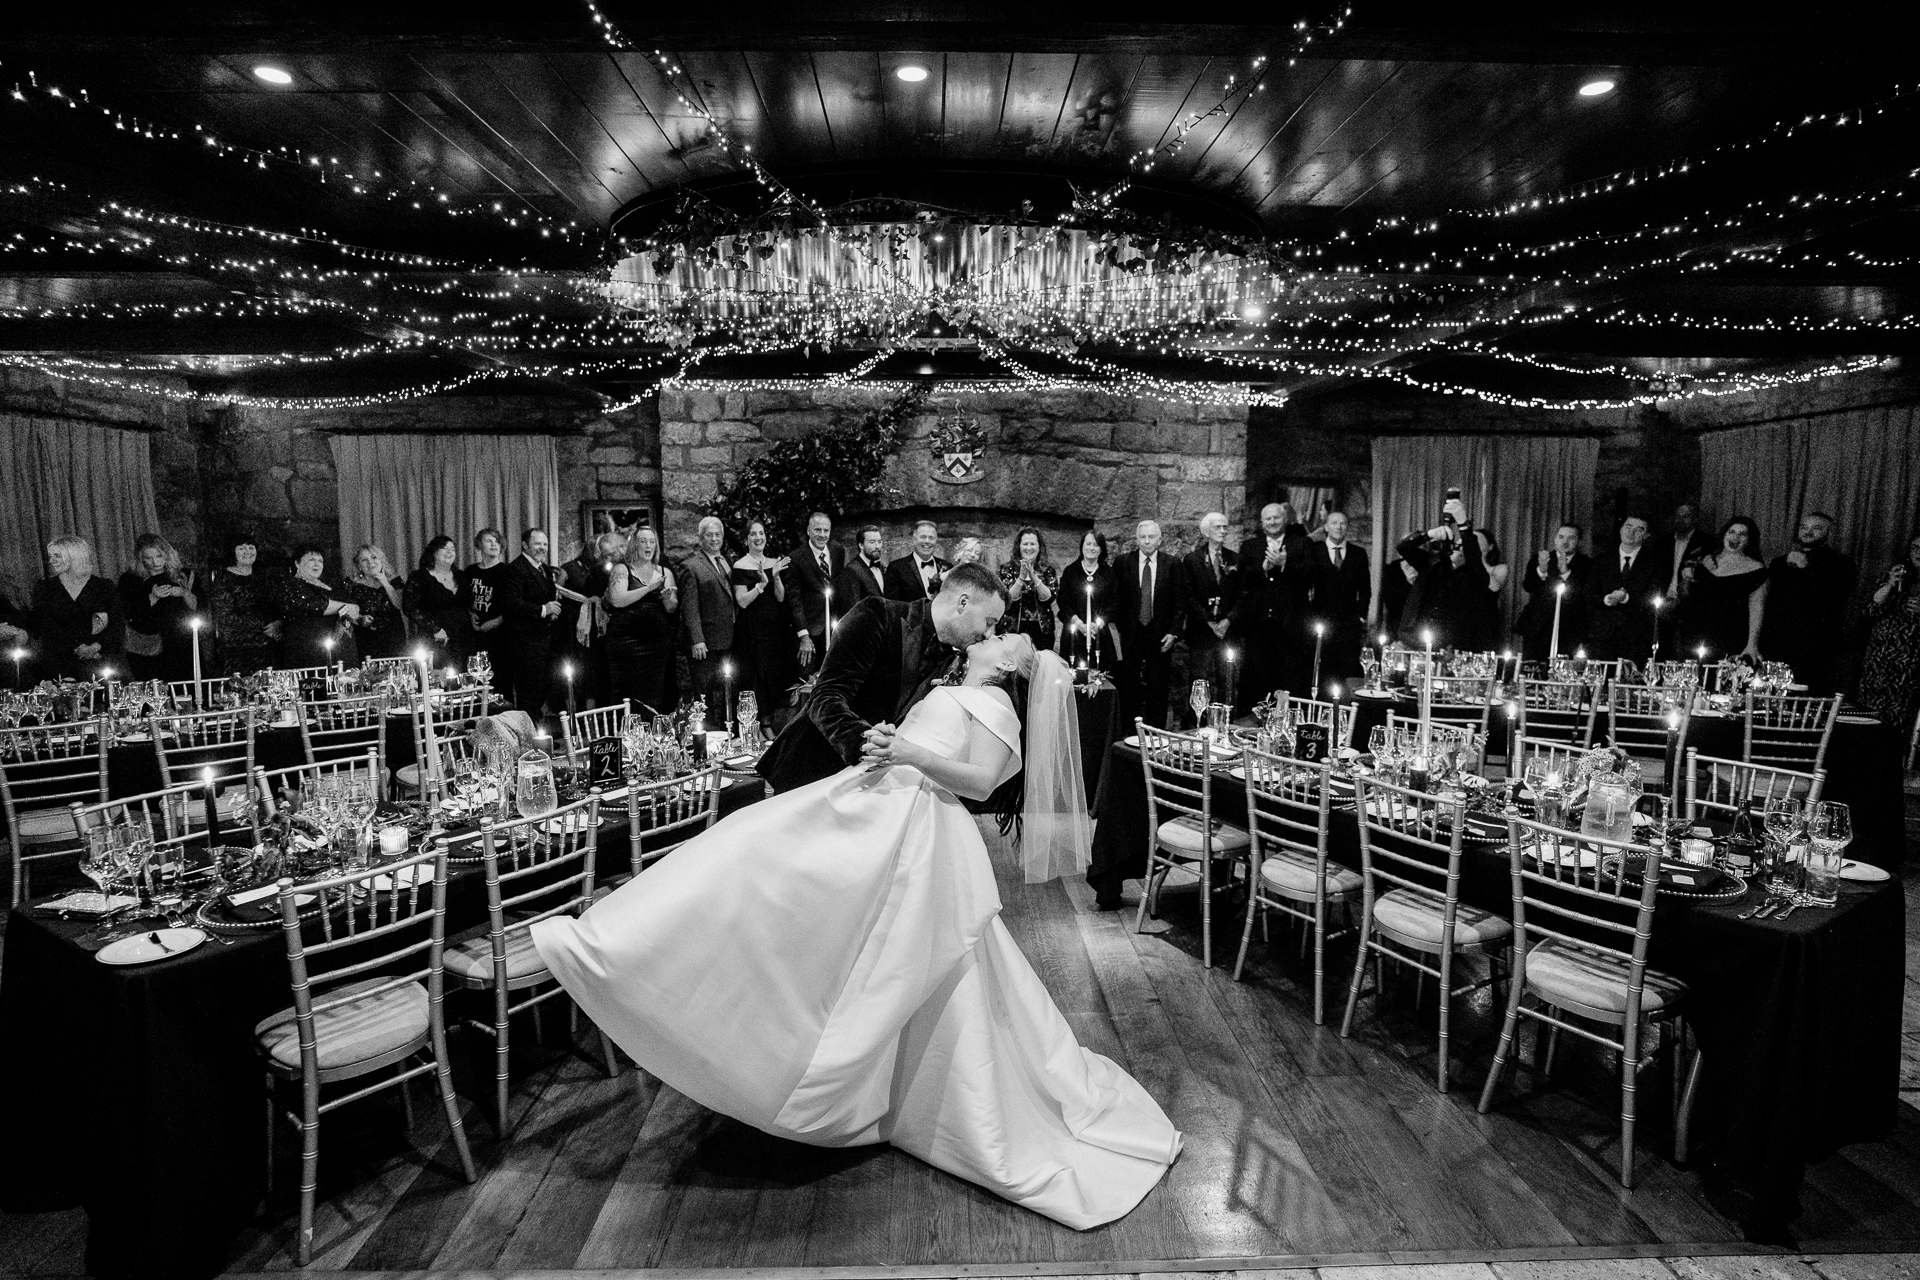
(1863, 772)
(137, 1093)
(1798, 1022)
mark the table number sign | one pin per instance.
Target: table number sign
(1310, 742)
(605, 765)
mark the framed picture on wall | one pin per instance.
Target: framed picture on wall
(615, 516)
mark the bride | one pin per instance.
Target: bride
(830, 966)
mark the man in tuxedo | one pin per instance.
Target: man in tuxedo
(886, 654)
(917, 576)
(1686, 541)
(707, 608)
(1151, 590)
(529, 600)
(1212, 588)
(1621, 589)
(865, 576)
(1276, 588)
(1342, 591)
(1808, 590)
(810, 587)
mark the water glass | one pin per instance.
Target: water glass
(535, 794)
(1830, 826)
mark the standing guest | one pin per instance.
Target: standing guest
(1556, 587)
(315, 614)
(863, 576)
(483, 586)
(1342, 590)
(1090, 574)
(1686, 543)
(528, 596)
(763, 631)
(438, 603)
(1723, 598)
(1808, 590)
(246, 616)
(13, 636)
(577, 636)
(158, 601)
(1620, 596)
(1031, 585)
(375, 589)
(1152, 608)
(706, 591)
(968, 552)
(1212, 592)
(1276, 585)
(1890, 668)
(641, 600)
(816, 571)
(1396, 587)
(76, 622)
(916, 576)
(1455, 595)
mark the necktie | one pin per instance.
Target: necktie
(824, 571)
(1146, 592)
(1626, 564)
(1338, 552)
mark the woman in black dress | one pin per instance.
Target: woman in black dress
(158, 601)
(382, 629)
(641, 601)
(76, 621)
(318, 618)
(1032, 587)
(439, 605)
(484, 580)
(1070, 601)
(766, 626)
(1723, 597)
(246, 616)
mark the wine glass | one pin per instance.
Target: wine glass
(1830, 827)
(1377, 743)
(1369, 666)
(98, 864)
(1199, 698)
(1780, 816)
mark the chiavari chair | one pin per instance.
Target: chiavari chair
(1454, 734)
(45, 769)
(1581, 937)
(1716, 787)
(1789, 732)
(199, 696)
(170, 812)
(1559, 709)
(298, 782)
(1560, 757)
(664, 814)
(1335, 718)
(578, 728)
(1411, 840)
(368, 995)
(1182, 831)
(208, 745)
(536, 868)
(454, 712)
(305, 673)
(1288, 805)
(377, 669)
(1642, 724)
(333, 728)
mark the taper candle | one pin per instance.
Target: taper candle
(827, 595)
(1319, 638)
(199, 688)
(1553, 646)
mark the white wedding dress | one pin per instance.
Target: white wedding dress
(829, 966)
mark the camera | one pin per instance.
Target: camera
(1453, 495)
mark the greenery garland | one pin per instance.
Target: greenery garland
(835, 470)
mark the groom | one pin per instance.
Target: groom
(885, 655)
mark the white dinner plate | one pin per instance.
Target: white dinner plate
(1864, 872)
(145, 948)
(1857, 719)
(1375, 695)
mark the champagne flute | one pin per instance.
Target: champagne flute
(1198, 698)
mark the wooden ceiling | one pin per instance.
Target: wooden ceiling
(1408, 112)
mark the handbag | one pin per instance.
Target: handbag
(142, 644)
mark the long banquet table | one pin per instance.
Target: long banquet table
(136, 1092)
(1798, 1021)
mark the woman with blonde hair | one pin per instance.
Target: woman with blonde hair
(373, 585)
(641, 600)
(77, 625)
(158, 599)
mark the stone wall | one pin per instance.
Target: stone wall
(1058, 461)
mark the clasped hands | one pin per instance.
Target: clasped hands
(881, 747)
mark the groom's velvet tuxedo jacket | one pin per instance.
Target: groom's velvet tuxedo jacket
(884, 656)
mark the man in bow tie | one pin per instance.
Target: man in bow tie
(917, 575)
(865, 575)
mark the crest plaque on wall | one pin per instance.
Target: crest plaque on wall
(959, 447)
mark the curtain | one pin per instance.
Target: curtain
(1309, 502)
(1518, 488)
(398, 491)
(66, 477)
(1861, 466)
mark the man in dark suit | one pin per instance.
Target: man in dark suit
(885, 656)
(1563, 565)
(1276, 588)
(1620, 593)
(917, 576)
(1151, 591)
(816, 567)
(1212, 588)
(529, 600)
(1686, 541)
(1808, 590)
(707, 609)
(863, 577)
(1342, 590)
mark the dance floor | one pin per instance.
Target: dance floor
(1297, 1143)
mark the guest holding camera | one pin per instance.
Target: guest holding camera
(1032, 586)
(1456, 594)
(1890, 669)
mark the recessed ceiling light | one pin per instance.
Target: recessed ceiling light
(926, 371)
(912, 73)
(273, 75)
(1594, 88)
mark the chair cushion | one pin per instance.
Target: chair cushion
(1291, 875)
(362, 1028)
(1569, 977)
(41, 825)
(472, 960)
(1183, 835)
(1414, 916)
